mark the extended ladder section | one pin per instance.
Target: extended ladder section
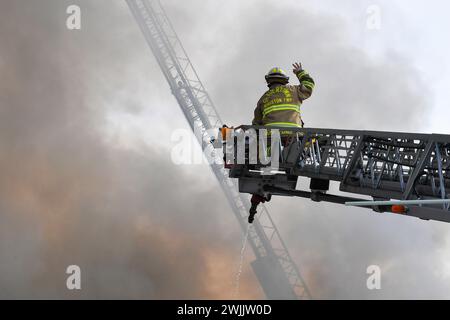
(412, 168)
(274, 267)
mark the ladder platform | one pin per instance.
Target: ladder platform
(382, 165)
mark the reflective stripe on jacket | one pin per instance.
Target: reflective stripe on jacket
(280, 105)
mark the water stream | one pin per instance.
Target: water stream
(241, 261)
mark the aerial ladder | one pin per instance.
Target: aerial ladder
(401, 173)
(274, 267)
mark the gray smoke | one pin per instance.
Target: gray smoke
(139, 226)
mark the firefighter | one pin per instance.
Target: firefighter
(280, 105)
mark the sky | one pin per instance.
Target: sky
(86, 122)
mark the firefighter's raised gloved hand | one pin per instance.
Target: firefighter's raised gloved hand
(297, 67)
